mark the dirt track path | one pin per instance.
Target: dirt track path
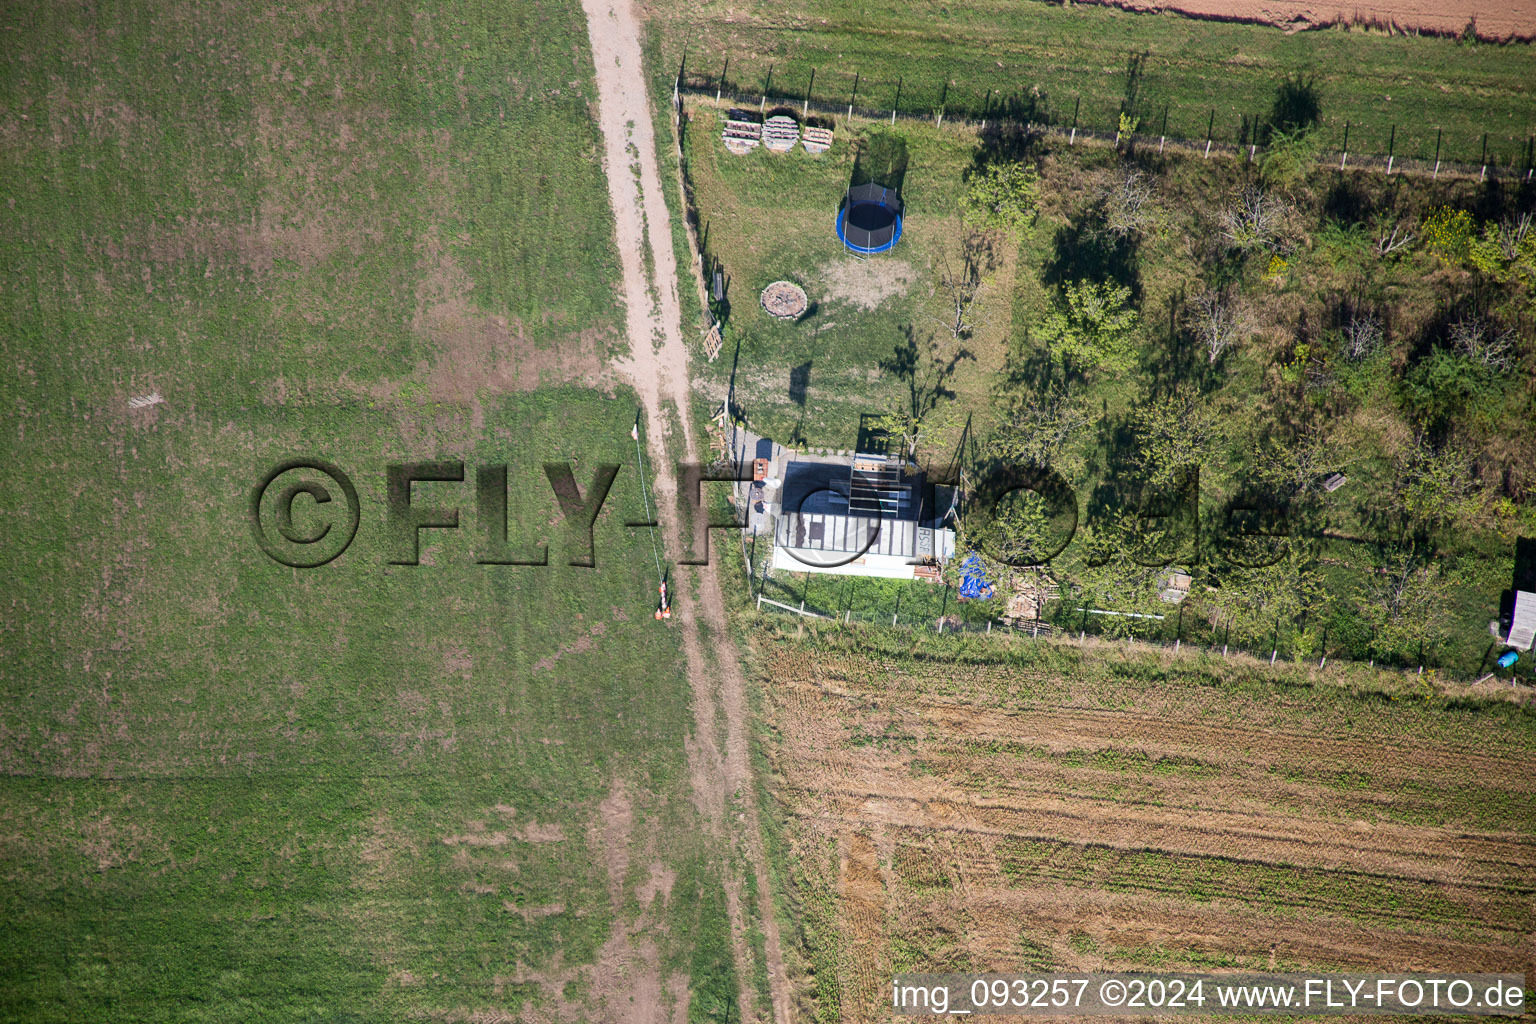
(720, 766)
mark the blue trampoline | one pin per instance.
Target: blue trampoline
(870, 219)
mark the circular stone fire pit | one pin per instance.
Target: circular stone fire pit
(784, 300)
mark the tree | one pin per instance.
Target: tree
(1001, 196)
(1039, 429)
(961, 283)
(1255, 600)
(1363, 336)
(1179, 429)
(1219, 322)
(1093, 325)
(1405, 605)
(1436, 485)
(1289, 156)
(1101, 566)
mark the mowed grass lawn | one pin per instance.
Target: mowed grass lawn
(770, 216)
(1052, 55)
(234, 790)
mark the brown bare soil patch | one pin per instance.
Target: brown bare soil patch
(1513, 20)
(987, 817)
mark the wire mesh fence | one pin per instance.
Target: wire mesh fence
(1411, 149)
(929, 607)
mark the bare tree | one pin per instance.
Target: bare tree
(1251, 219)
(1219, 322)
(1475, 338)
(1363, 336)
(961, 284)
(1127, 204)
(1391, 235)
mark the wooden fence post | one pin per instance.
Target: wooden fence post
(1209, 128)
(806, 110)
(1436, 175)
(1344, 157)
(854, 95)
(943, 98)
(720, 82)
(1076, 107)
(767, 86)
(895, 107)
(1391, 148)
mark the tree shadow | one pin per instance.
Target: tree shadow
(799, 383)
(1013, 132)
(1297, 107)
(880, 157)
(925, 370)
(1084, 248)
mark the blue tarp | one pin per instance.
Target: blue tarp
(973, 579)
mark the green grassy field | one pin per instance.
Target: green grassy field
(1051, 57)
(364, 791)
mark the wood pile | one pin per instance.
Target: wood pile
(816, 140)
(780, 133)
(741, 133)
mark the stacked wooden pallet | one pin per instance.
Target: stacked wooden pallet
(816, 140)
(741, 134)
(780, 133)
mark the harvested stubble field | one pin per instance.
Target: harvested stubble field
(968, 804)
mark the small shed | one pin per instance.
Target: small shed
(1522, 626)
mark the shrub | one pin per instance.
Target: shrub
(1447, 233)
(1001, 196)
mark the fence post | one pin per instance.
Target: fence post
(720, 82)
(1530, 156)
(1253, 138)
(767, 86)
(943, 98)
(1208, 129)
(986, 109)
(1162, 138)
(677, 83)
(847, 616)
(1344, 158)
(854, 95)
(1391, 146)
(759, 602)
(806, 110)
(1436, 175)
(1484, 175)
(1075, 108)
(895, 107)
